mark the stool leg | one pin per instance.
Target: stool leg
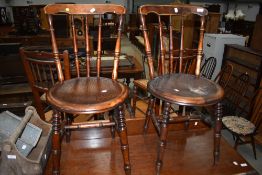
(56, 142)
(217, 130)
(163, 137)
(122, 132)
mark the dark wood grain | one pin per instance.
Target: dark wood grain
(94, 152)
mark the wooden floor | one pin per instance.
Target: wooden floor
(188, 152)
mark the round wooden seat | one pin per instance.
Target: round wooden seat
(87, 95)
(185, 89)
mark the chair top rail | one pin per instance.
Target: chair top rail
(183, 10)
(84, 9)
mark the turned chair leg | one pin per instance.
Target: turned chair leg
(236, 142)
(56, 142)
(122, 132)
(149, 113)
(134, 99)
(67, 131)
(163, 137)
(254, 147)
(111, 119)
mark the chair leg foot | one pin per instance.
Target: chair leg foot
(127, 170)
(158, 167)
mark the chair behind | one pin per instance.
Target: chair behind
(234, 95)
(224, 75)
(208, 68)
(244, 128)
(41, 72)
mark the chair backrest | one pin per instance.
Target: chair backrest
(41, 72)
(235, 102)
(256, 109)
(84, 11)
(208, 68)
(166, 14)
(224, 75)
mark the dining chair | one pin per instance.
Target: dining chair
(41, 72)
(244, 128)
(162, 62)
(234, 93)
(174, 86)
(222, 78)
(224, 75)
(88, 92)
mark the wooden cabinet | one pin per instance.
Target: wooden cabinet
(27, 19)
(212, 22)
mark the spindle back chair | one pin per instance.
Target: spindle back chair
(41, 72)
(88, 94)
(170, 58)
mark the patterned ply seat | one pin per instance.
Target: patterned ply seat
(244, 130)
(238, 125)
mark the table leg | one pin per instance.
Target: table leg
(217, 134)
(163, 137)
(56, 142)
(122, 132)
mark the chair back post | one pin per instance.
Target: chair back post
(200, 46)
(181, 44)
(117, 48)
(147, 45)
(171, 46)
(55, 49)
(88, 51)
(85, 10)
(169, 11)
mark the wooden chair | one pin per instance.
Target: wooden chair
(224, 75)
(208, 68)
(162, 63)
(89, 94)
(41, 72)
(234, 93)
(245, 128)
(222, 78)
(173, 87)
